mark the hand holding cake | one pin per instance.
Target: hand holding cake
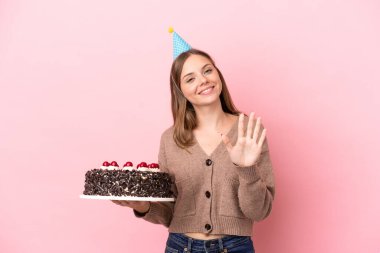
(139, 206)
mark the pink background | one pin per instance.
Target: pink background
(87, 81)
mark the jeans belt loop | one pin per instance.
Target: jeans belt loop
(220, 242)
(189, 242)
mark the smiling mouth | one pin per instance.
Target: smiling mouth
(206, 91)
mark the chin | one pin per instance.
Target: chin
(207, 101)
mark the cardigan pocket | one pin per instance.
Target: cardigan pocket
(229, 203)
(185, 200)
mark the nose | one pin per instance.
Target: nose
(202, 79)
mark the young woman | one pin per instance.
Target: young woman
(219, 160)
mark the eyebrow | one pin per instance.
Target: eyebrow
(193, 73)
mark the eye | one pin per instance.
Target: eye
(208, 71)
(189, 80)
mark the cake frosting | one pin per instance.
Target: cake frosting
(143, 181)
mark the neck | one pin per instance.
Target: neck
(210, 117)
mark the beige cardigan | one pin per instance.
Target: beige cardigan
(213, 195)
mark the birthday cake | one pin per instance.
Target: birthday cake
(143, 181)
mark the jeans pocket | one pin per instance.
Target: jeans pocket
(240, 245)
(170, 250)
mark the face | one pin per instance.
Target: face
(200, 81)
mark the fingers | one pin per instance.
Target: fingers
(250, 124)
(251, 128)
(121, 202)
(117, 202)
(262, 137)
(257, 129)
(241, 126)
(131, 203)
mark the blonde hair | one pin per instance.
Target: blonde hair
(184, 116)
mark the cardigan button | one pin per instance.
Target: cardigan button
(208, 226)
(208, 194)
(208, 162)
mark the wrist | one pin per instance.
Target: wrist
(238, 165)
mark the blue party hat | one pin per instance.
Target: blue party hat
(179, 44)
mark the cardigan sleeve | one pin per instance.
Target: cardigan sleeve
(160, 212)
(256, 189)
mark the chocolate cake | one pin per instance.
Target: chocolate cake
(144, 181)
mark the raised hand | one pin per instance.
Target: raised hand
(247, 149)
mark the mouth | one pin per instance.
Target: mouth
(206, 90)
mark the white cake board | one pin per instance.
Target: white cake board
(130, 198)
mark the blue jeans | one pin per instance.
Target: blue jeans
(180, 243)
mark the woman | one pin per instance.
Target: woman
(219, 160)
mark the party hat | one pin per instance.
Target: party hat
(179, 44)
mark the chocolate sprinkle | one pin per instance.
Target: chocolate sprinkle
(127, 183)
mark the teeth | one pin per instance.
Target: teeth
(206, 90)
